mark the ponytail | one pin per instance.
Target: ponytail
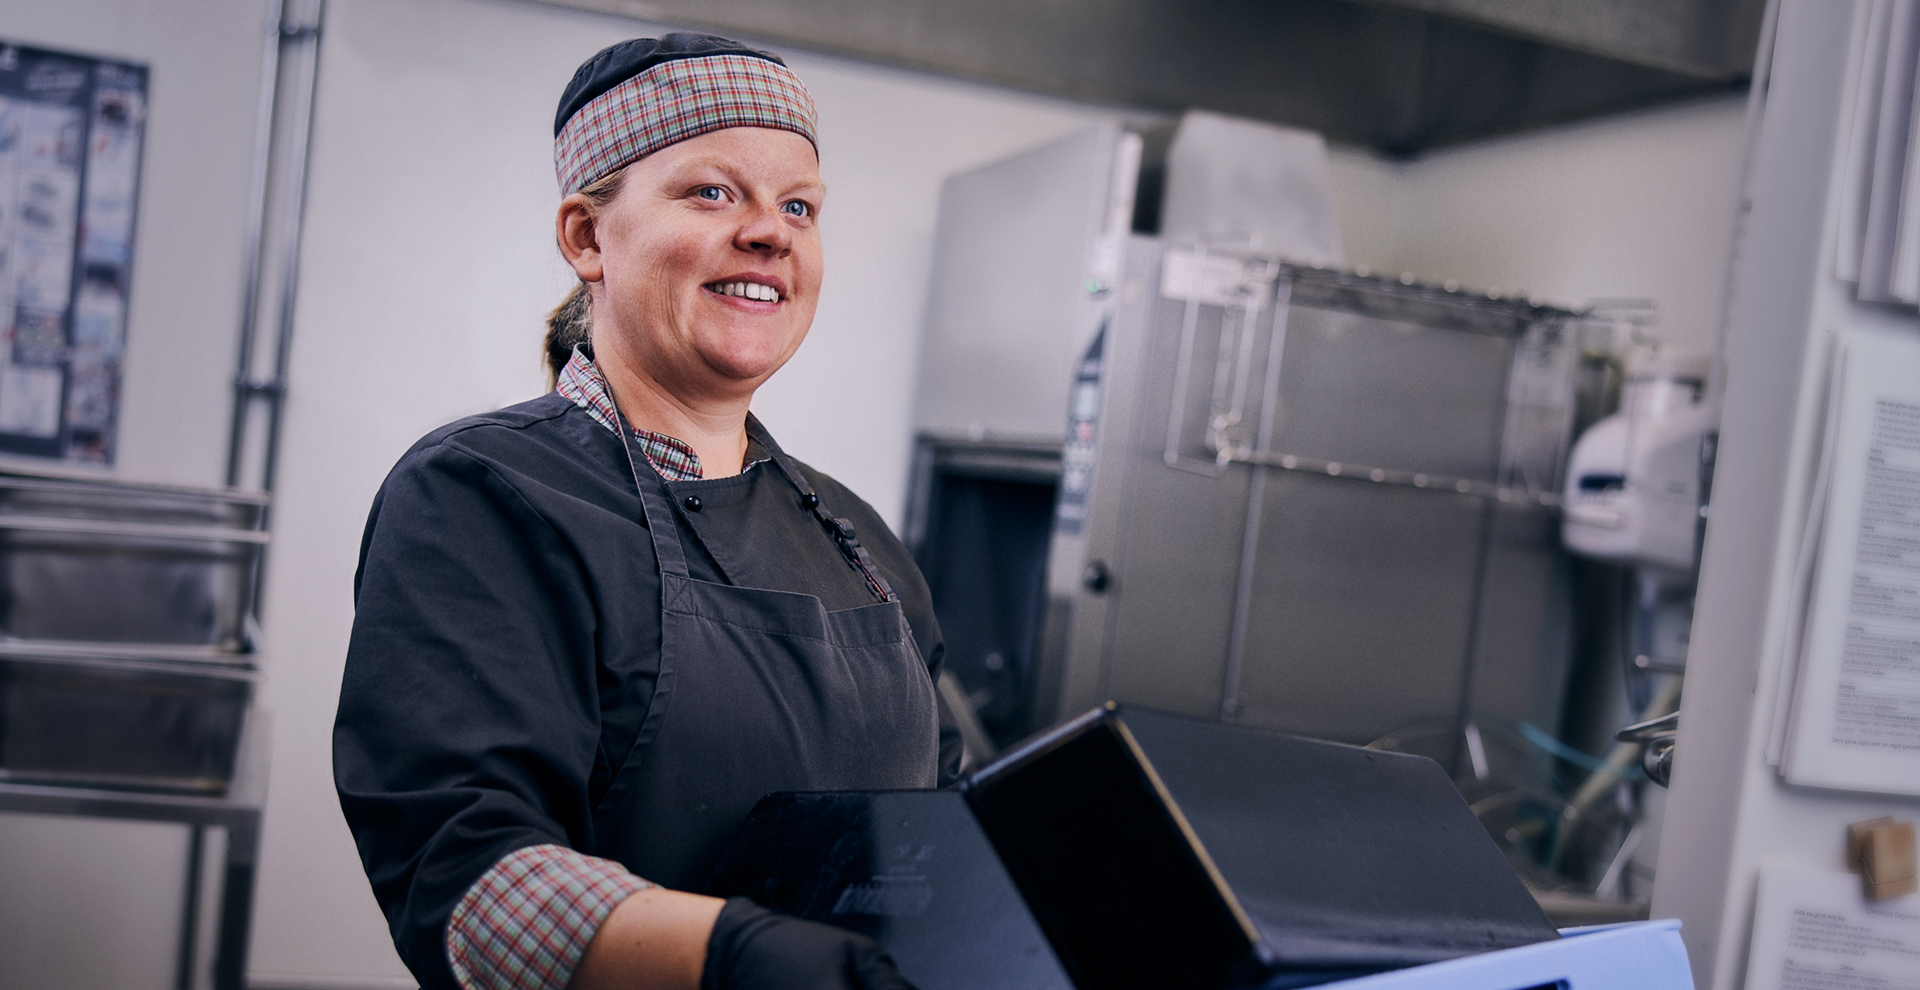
(570, 325)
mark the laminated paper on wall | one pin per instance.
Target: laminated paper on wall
(1878, 246)
(1814, 928)
(1854, 719)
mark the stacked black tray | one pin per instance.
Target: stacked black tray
(1129, 848)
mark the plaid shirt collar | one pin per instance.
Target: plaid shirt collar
(580, 381)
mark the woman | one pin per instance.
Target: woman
(593, 629)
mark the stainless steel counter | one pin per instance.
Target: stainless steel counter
(237, 812)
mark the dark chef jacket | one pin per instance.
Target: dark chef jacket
(506, 639)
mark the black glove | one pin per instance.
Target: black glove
(752, 948)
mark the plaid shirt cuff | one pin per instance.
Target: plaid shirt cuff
(526, 922)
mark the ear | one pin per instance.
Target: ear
(579, 242)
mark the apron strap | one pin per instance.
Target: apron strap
(839, 529)
(657, 510)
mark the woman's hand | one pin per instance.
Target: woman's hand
(752, 948)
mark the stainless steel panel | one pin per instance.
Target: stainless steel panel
(137, 566)
(1175, 535)
(1082, 597)
(1363, 599)
(1366, 606)
(120, 723)
(1009, 310)
(1361, 389)
(1525, 642)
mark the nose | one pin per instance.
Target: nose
(765, 232)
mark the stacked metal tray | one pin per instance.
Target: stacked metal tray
(126, 640)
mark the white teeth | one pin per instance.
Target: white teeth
(747, 290)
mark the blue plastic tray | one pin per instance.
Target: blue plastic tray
(1641, 955)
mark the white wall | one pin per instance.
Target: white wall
(1637, 206)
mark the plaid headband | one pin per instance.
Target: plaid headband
(673, 101)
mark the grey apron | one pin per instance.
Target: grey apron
(760, 691)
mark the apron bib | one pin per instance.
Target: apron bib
(760, 691)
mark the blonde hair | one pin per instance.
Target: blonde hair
(570, 325)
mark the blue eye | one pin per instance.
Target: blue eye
(796, 208)
(710, 193)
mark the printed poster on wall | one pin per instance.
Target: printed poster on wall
(71, 129)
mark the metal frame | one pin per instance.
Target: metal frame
(1256, 491)
(238, 812)
(1396, 476)
(299, 39)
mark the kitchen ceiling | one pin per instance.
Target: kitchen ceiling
(1399, 76)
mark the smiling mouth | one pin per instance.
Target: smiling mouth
(745, 290)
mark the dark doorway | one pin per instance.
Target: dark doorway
(980, 522)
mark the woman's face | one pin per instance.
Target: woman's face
(709, 261)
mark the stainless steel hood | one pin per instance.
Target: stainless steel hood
(1399, 76)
